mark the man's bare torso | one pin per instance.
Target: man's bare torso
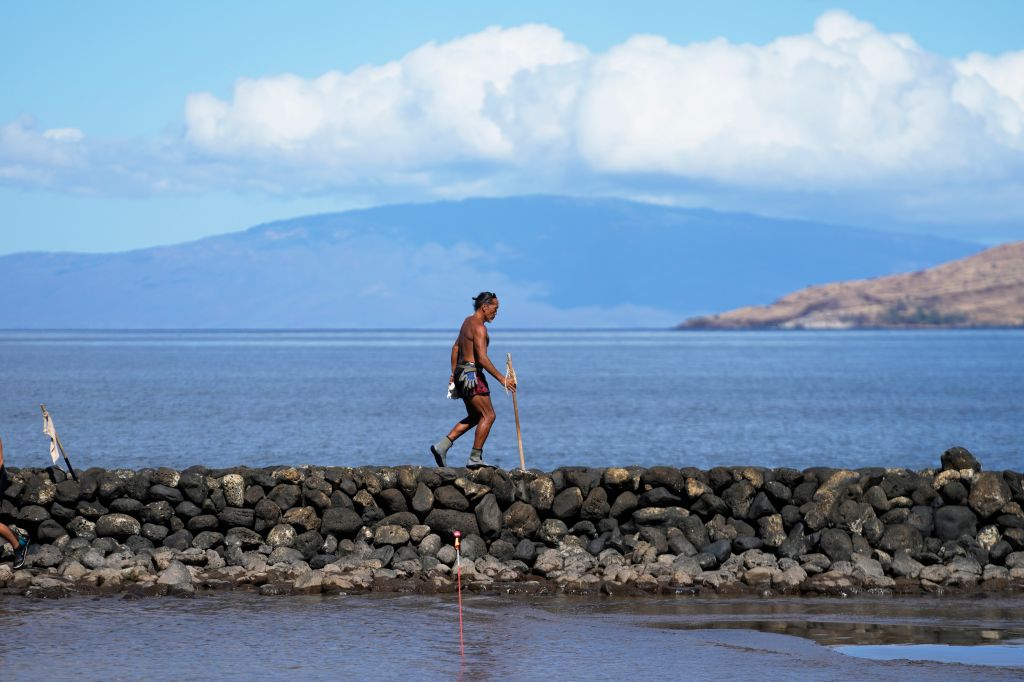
(472, 330)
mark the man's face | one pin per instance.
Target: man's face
(490, 309)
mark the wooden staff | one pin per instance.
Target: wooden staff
(511, 372)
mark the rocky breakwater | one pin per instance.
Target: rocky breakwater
(616, 530)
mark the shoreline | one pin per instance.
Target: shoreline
(583, 531)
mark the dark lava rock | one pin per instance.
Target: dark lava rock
(959, 458)
(157, 512)
(236, 516)
(795, 543)
(924, 494)
(91, 509)
(525, 551)
(921, 518)
(656, 537)
(126, 505)
(720, 549)
(488, 516)
(583, 478)
(743, 543)
(664, 477)
(404, 520)
(268, 510)
(896, 516)
(207, 540)
(242, 537)
(180, 541)
(117, 525)
(33, 513)
(707, 561)
(445, 521)
(216, 502)
(154, 532)
(1004, 520)
(105, 544)
(285, 495)
(473, 547)
(595, 506)
(450, 497)
(253, 494)
(393, 501)
(68, 492)
(186, 510)
(999, 551)
(110, 486)
(875, 496)
(899, 484)
(738, 497)
(954, 492)
(804, 493)
(624, 504)
(597, 545)
(901, 537)
(309, 543)
(340, 499)
(521, 519)
(166, 493)
(193, 487)
(137, 543)
(778, 492)
(203, 522)
(62, 513)
(584, 528)
(952, 521)
(567, 503)
(761, 506)
(49, 530)
(742, 528)
(502, 550)
(989, 494)
(659, 497)
(341, 522)
(695, 531)
(678, 544)
(709, 504)
(423, 500)
(836, 544)
(137, 486)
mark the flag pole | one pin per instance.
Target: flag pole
(60, 446)
(511, 372)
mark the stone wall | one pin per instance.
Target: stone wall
(333, 529)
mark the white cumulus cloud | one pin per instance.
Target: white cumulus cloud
(843, 111)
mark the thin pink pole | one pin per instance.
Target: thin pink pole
(458, 565)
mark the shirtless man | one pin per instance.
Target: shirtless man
(17, 541)
(469, 357)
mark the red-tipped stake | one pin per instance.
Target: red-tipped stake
(458, 568)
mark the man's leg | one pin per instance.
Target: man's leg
(18, 543)
(440, 448)
(481, 404)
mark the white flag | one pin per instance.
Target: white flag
(49, 430)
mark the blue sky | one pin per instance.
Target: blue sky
(125, 125)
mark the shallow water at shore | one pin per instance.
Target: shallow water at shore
(850, 399)
(243, 637)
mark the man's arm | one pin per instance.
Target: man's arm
(1, 452)
(455, 358)
(480, 351)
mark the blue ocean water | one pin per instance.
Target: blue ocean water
(852, 399)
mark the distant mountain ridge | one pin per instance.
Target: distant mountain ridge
(983, 290)
(556, 262)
